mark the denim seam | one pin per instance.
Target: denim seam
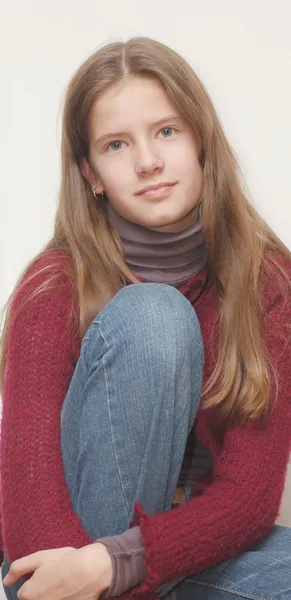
(111, 428)
(224, 589)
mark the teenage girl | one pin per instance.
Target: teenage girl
(146, 357)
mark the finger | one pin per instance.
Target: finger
(21, 567)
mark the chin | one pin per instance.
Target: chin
(167, 227)
(171, 225)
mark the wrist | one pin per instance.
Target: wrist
(98, 566)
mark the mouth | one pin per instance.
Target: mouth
(157, 189)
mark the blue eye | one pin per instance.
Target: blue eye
(167, 131)
(116, 145)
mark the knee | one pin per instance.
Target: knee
(157, 313)
(160, 304)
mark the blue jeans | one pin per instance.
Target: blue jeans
(131, 402)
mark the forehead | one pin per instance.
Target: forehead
(130, 102)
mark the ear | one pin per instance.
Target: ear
(91, 177)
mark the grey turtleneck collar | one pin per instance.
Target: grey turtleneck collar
(161, 257)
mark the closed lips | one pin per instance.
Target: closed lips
(156, 187)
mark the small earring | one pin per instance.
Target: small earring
(97, 196)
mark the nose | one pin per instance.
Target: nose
(148, 161)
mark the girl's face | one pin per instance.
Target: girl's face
(139, 140)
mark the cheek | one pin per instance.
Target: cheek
(184, 155)
(115, 175)
(191, 170)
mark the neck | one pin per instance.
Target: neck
(161, 257)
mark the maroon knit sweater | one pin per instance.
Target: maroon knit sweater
(229, 512)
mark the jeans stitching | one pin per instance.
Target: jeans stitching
(110, 422)
(224, 589)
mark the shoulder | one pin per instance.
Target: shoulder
(275, 281)
(47, 284)
(50, 270)
(50, 264)
(277, 311)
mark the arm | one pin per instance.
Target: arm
(241, 505)
(42, 351)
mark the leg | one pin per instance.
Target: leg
(263, 573)
(131, 402)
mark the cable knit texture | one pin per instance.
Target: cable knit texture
(230, 510)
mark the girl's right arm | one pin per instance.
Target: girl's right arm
(43, 348)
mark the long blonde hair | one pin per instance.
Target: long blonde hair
(240, 244)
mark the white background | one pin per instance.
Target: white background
(241, 49)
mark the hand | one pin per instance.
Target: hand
(63, 573)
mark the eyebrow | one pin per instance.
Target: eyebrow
(118, 134)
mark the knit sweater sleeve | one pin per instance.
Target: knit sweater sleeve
(42, 351)
(240, 506)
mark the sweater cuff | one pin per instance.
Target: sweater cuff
(128, 561)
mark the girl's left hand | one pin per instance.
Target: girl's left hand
(64, 573)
